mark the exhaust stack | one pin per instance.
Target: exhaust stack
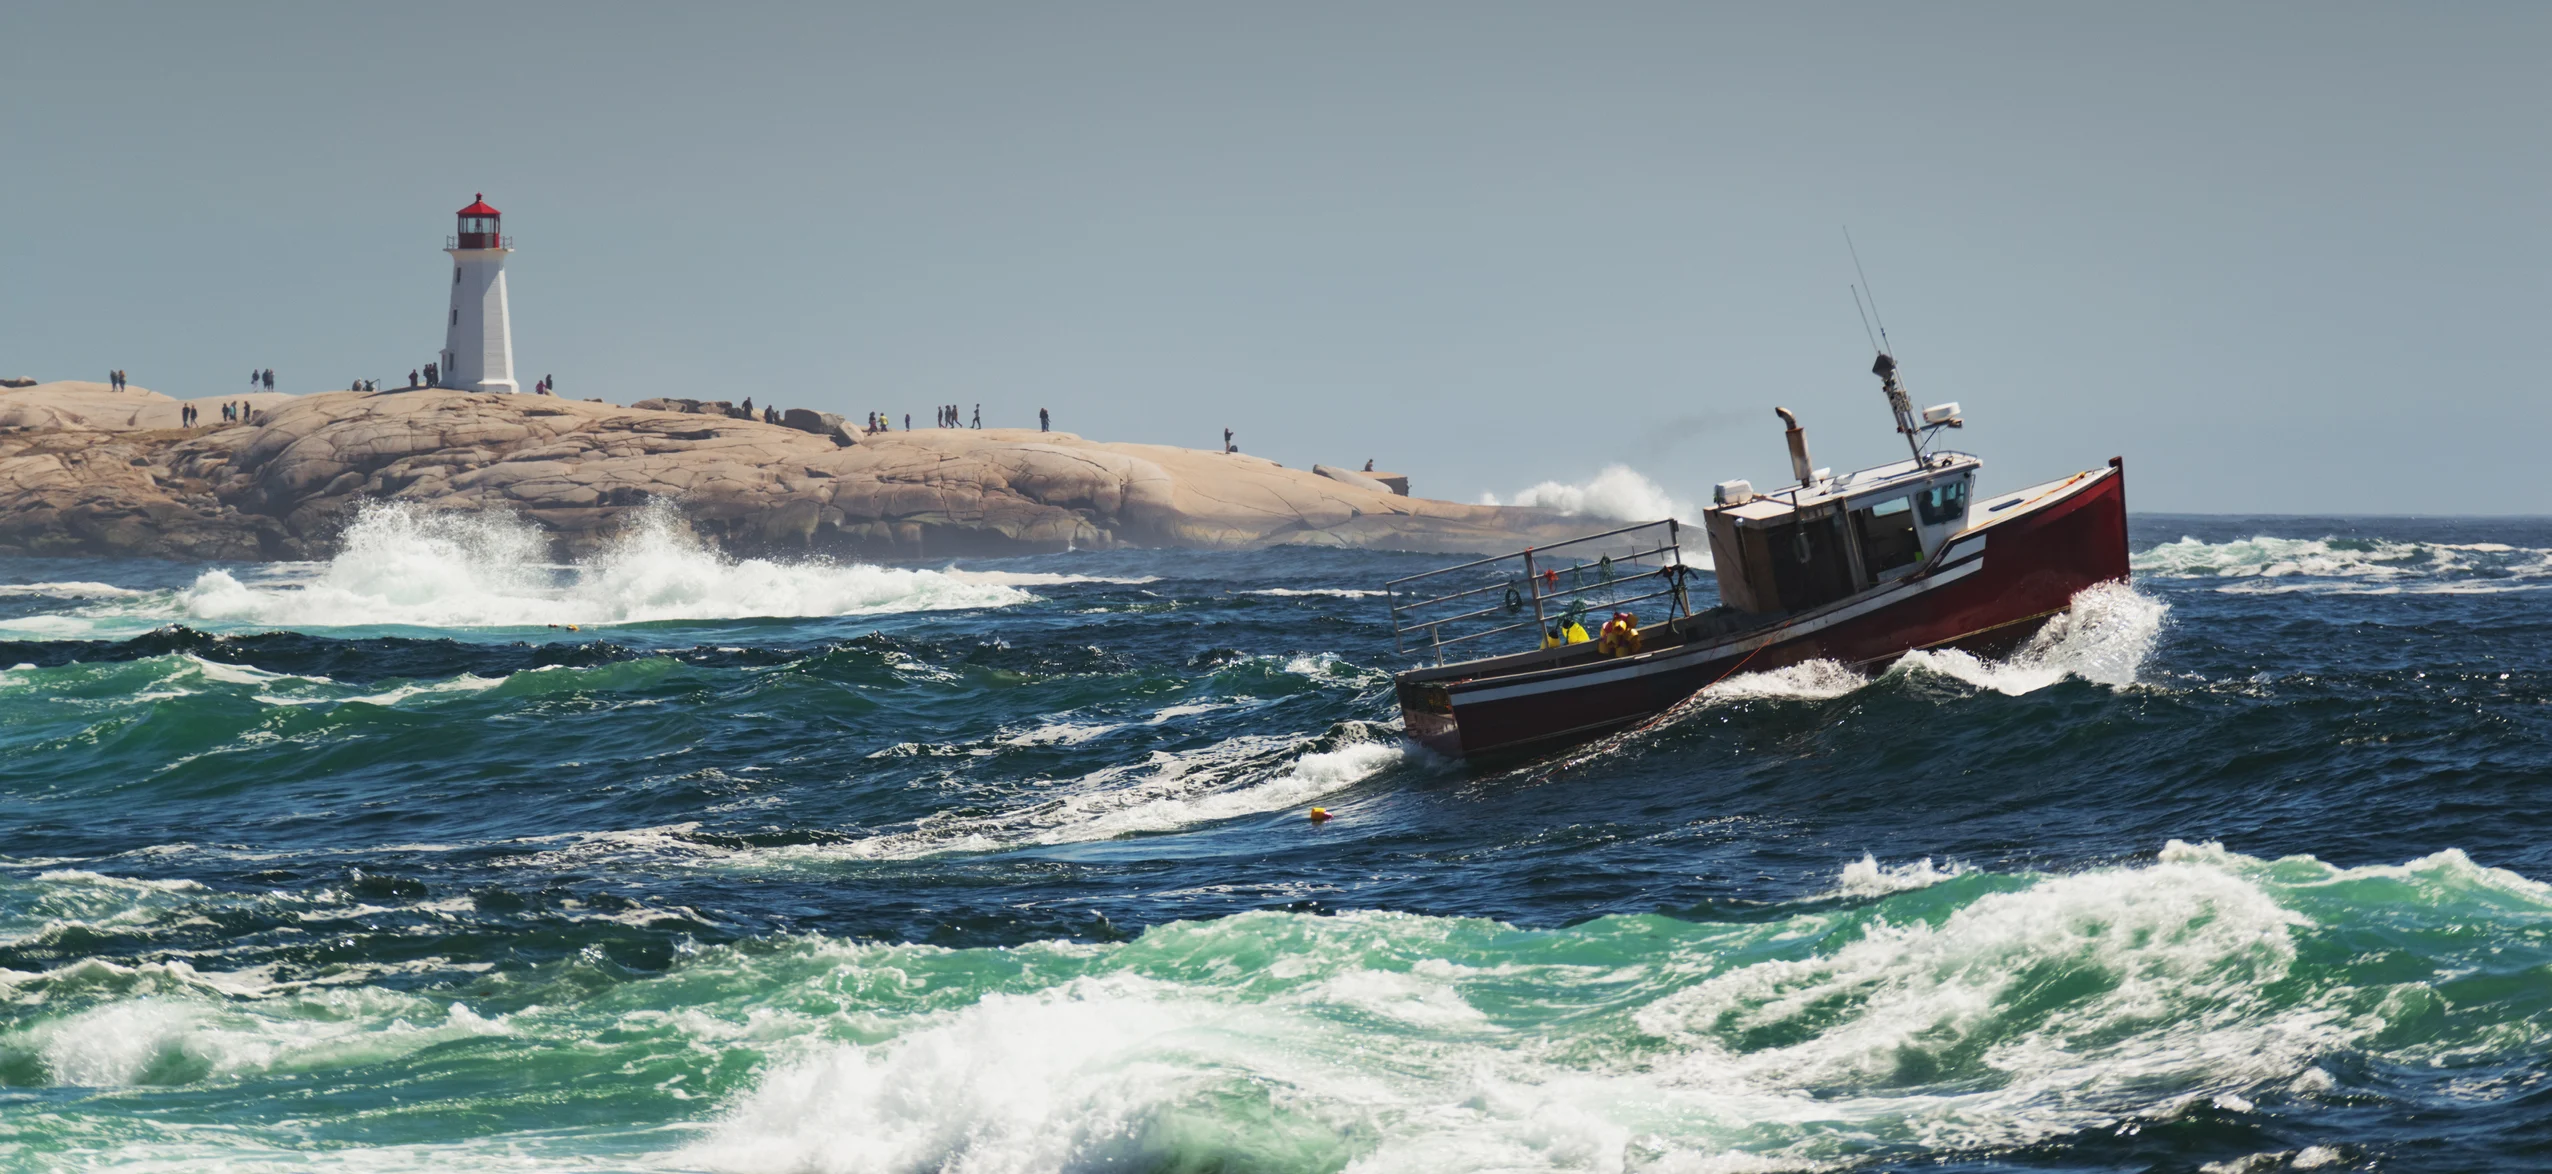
(1798, 438)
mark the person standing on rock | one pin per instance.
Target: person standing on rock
(979, 415)
(1041, 419)
(1228, 446)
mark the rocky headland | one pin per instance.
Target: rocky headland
(88, 470)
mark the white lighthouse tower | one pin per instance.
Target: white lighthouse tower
(478, 338)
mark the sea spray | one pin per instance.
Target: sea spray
(1619, 493)
(2105, 636)
(402, 565)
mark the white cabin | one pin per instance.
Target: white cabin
(1797, 548)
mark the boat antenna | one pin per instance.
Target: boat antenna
(1888, 345)
(1865, 318)
(1898, 402)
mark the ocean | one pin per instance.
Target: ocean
(440, 855)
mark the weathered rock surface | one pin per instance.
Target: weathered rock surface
(85, 469)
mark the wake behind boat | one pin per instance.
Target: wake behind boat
(1859, 569)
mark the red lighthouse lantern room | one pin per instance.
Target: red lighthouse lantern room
(479, 226)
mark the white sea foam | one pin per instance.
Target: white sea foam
(1619, 492)
(1242, 776)
(1910, 1035)
(1058, 734)
(405, 565)
(177, 1026)
(1335, 592)
(2104, 638)
(1042, 578)
(464, 684)
(1380, 1042)
(2272, 565)
(1867, 877)
(1813, 680)
(59, 900)
(70, 590)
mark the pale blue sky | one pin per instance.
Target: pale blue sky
(2282, 257)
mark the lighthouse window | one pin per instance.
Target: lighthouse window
(456, 275)
(456, 315)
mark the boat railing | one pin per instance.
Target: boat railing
(1528, 590)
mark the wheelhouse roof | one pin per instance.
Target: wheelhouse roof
(1778, 504)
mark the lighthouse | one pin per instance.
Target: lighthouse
(478, 339)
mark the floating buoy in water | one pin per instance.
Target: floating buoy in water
(1320, 815)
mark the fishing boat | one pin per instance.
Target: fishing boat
(1859, 569)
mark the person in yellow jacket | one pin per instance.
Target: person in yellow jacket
(1621, 635)
(1567, 631)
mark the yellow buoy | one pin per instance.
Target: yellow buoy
(1320, 815)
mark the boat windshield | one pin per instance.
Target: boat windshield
(1944, 502)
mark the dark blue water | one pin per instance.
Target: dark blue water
(377, 864)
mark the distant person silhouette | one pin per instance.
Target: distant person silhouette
(1041, 420)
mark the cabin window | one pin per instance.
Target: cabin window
(1945, 502)
(1888, 538)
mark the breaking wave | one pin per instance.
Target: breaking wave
(407, 566)
(1619, 492)
(2361, 566)
(1964, 1012)
(1242, 776)
(2104, 638)
(1948, 1010)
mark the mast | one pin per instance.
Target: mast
(1885, 369)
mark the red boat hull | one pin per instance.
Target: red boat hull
(1991, 589)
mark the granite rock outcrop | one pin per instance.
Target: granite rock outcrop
(85, 469)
